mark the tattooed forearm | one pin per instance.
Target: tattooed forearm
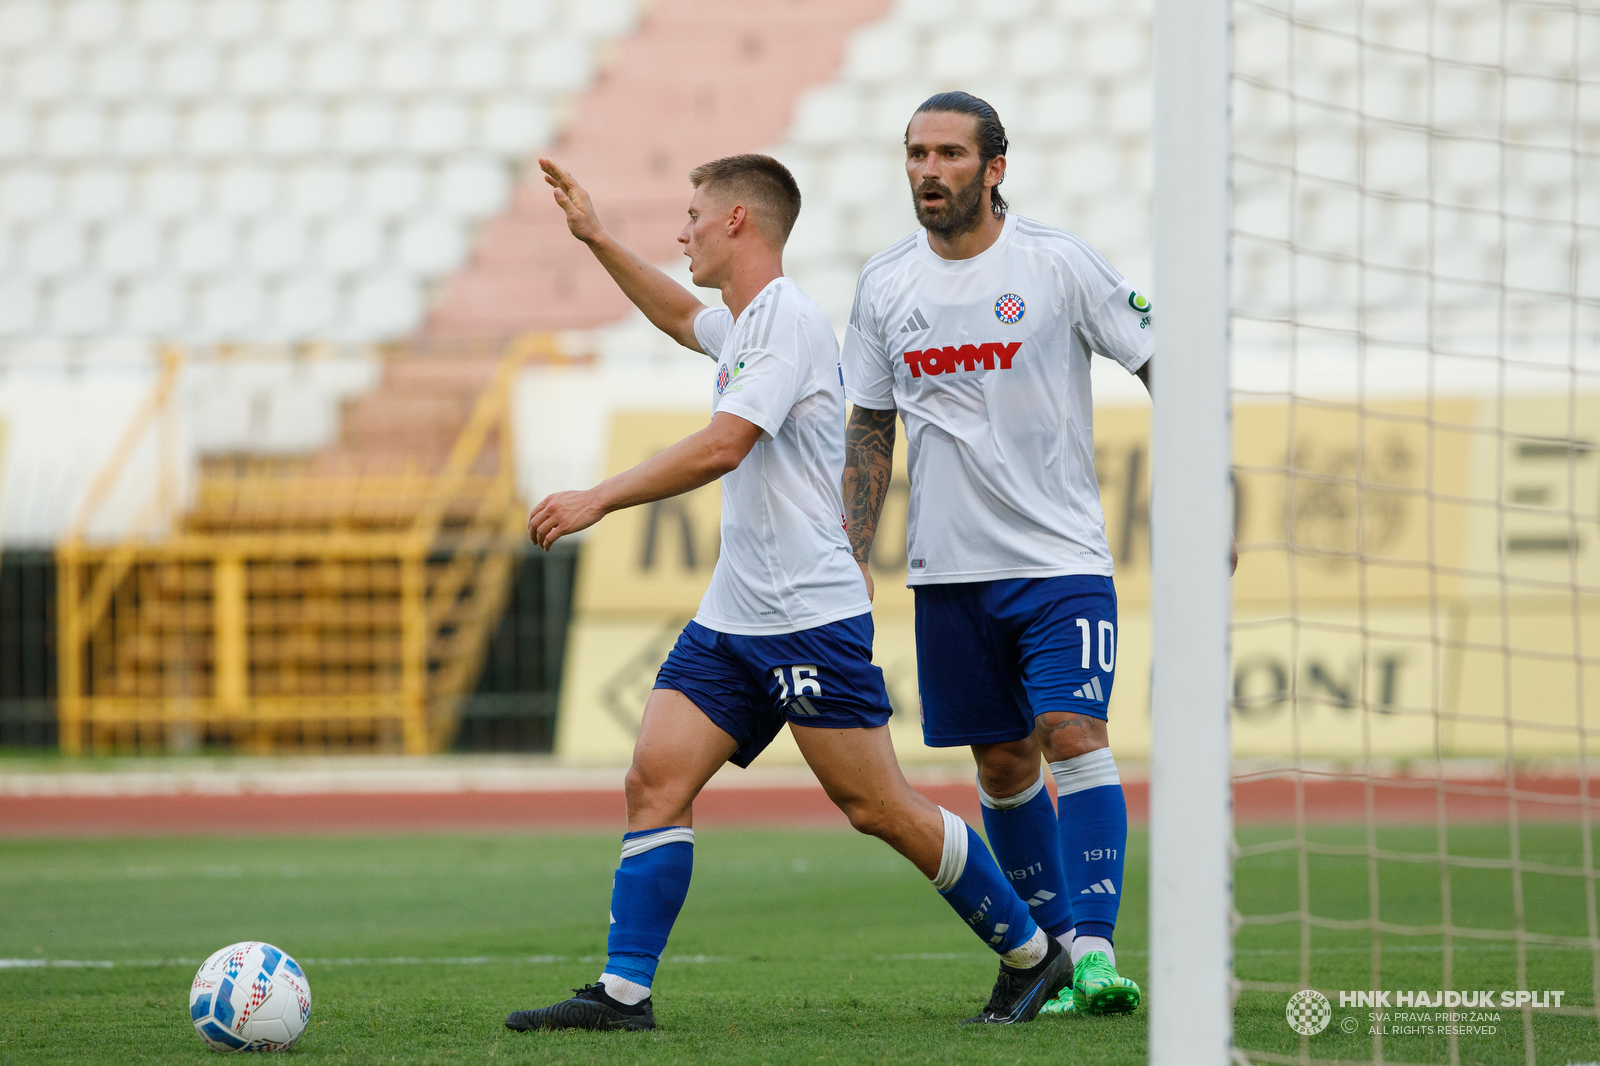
(868, 463)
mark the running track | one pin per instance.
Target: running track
(1256, 800)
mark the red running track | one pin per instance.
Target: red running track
(1256, 800)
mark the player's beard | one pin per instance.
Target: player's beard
(959, 212)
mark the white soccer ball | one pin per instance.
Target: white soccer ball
(250, 997)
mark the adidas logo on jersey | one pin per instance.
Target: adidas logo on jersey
(1091, 691)
(949, 359)
(916, 323)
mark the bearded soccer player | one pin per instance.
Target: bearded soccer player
(784, 633)
(978, 330)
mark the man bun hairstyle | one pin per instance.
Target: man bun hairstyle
(991, 134)
(763, 183)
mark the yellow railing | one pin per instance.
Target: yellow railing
(286, 610)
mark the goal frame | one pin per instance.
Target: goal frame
(1191, 888)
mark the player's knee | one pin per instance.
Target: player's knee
(870, 818)
(647, 789)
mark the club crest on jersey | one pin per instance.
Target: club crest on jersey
(726, 376)
(1010, 308)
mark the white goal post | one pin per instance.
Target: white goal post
(1190, 515)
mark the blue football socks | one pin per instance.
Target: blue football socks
(646, 896)
(1022, 829)
(1094, 838)
(973, 885)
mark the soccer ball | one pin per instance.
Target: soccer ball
(250, 997)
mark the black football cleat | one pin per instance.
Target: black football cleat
(1018, 994)
(591, 1008)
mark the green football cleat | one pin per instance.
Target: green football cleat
(1066, 1002)
(1099, 989)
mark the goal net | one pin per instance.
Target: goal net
(1416, 617)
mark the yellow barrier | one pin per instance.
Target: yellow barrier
(288, 609)
(1411, 575)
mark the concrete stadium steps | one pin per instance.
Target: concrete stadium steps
(632, 139)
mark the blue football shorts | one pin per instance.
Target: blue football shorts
(749, 686)
(994, 655)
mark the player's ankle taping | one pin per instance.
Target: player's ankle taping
(953, 863)
(1026, 956)
(1005, 803)
(1092, 769)
(623, 990)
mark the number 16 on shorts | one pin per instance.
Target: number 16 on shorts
(795, 683)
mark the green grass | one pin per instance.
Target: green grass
(794, 947)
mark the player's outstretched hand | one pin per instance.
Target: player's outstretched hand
(561, 513)
(574, 200)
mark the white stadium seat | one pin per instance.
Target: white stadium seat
(277, 246)
(219, 129)
(81, 307)
(556, 63)
(19, 304)
(263, 69)
(350, 245)
(393, 188)
(514, 124)
(45, 75)
(74, 131)
(203, 247)
(24, 23)
(308, 20)
(438, 126)
(333, 68)
(964, 51)
(97, 193)
(601, 18)
(385, 305)
(305, 306)
(377, 19)
(245, 190)
(477, 65)
(319, 189)
(161, 21)
(881, 53)
(53, 249)
(188, 71)
(472, 188)
(518, 18)
(145, 131)
(16, 130)
(405, 65)
(366, 127)
(130, 248)
(451, 18)
(156, 307)
(28, 193)
(91, 21)
(229, 307)
(171, 191)
(291, 128)
(926, 12)
(235, 21)
(430, 246)
(116, 73)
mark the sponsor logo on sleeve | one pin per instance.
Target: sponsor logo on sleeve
(725, 377)
(1142, 306)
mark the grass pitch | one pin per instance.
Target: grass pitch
(793, 947)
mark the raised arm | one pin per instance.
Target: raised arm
(669, 306)
(696, 460)
(868, 465)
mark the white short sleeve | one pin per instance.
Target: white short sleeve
(1120, 327)
(711, 329)
(868, 374)
(763, 390)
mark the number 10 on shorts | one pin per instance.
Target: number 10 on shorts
(805, 681)
(1107, 634)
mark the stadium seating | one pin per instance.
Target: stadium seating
(266, 170)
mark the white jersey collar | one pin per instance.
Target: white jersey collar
(977, 262)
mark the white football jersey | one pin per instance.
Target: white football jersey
(785, 563)
(987, 361)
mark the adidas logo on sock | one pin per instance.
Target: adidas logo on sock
(1104, 887)
(1041, 896)
(916, 323)
(1091, 691)
(999, 933)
